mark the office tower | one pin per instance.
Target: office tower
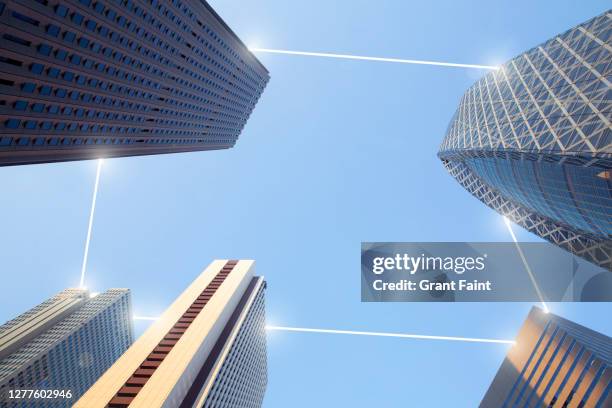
(63, 344)
(554, 363)
(208, 349)
(83, 79)
(533, 140)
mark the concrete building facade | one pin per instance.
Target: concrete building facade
(208, 349)
(555, 363)
(84, 79)
(63, 344)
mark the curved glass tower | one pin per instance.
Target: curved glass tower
(533, 140)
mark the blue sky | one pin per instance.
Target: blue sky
(336, 153)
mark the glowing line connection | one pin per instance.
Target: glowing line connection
(378, 334)
(531, 276)
(364, 58)
(91, 218)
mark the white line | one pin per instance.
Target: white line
(360, 57)
(145, 318)
(401, 335)
(531, 276)
(91, 217)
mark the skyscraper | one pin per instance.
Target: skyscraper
(63, 344)
(208, 349)
(555, 363)
(83, 79)
(533, 140)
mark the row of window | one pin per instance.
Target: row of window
(7, 141)
(29, 124)
(76, 97)
(21, 105)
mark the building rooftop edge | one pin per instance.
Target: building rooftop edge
(233, 34)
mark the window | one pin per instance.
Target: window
(77, 18)
(28, 87)
(12, 123)
(26, 19)
(53, 72)
(60, 54)
(44, 49)
(36, 68)
(61, 11)
(69, 36)
(20, 105)
(16, 40)
(53, 30)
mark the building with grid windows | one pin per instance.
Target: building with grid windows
(63, 344)
(208, 349)
(554, 363)
(83, 79)
(533, 140)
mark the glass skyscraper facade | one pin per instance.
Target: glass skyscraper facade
(533, 140)
(243, 375)
(82, 79)
(555, 363)
(208, 349)
(65, 343)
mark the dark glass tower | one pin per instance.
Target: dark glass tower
(82, 79)
(65, 343)
(555, 363)
(533, 140)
